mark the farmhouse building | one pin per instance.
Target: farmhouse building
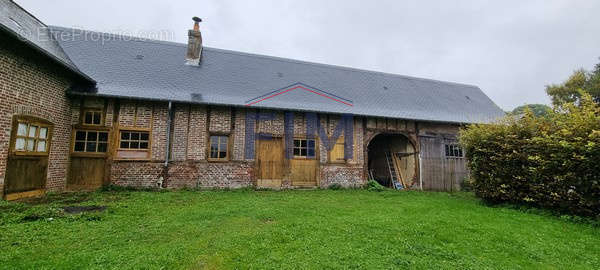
(83, 109)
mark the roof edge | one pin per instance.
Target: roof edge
(46, 53)
(87, 94)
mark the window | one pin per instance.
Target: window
(304, 148)
(31, 138)
(218, 147)
(92, 117)
(454, 150)
(337, 153)
(91, 141)
(135, 140)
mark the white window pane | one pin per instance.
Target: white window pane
(43, 133)
(20, 144)
(32, 131)
(30, 145)
(22, 129)
(41, 146)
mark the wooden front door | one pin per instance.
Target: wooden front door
(270, 156)
(88, 159)
(304, 166)
(27, 164)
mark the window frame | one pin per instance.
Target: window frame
(453, 150)
(31, 121)
(140, 131)
(93, 111)
(316, 154)
(117, 150)
(227, 150)
(91, 154)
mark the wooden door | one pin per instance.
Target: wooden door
(27, 164)
(455, 165)
(432, 163)
(25, 173)
(88, 159)
(270, 156)
(86, 173)
(304, 172)
(305, 164)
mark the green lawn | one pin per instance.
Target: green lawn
(290, 229)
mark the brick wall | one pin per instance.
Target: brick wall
(136, 174)
(31, 84)
(210, 175)
(197, 138)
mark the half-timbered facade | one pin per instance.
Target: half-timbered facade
(146, 113)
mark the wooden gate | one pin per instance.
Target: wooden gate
(270, 157)
(27, 164)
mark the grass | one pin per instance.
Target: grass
(290, 229)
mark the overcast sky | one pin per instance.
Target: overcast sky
(510, 49)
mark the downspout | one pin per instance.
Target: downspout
(167, 147)
(161, 182)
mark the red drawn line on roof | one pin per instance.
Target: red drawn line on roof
(299, 87)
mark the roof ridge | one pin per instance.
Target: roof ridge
(277, 58)
(283, 59)
(121, 36)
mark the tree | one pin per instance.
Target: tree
(539, 110)
(580, 80)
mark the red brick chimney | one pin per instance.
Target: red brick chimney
(194, 52)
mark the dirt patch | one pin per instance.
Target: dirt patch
(66, 198)
(82, 209)
(31, 218)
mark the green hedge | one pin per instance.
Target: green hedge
(550, 162)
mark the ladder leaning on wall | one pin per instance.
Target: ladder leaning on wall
(393, 174)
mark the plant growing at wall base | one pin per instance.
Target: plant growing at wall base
(373, 185)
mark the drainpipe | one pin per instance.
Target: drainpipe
(169, 119)
(161, 180)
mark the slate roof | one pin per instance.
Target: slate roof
(149, 69)
(24, 26)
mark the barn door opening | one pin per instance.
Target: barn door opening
(27, 164)
(88, 159)
(392, 158)
(270, 163)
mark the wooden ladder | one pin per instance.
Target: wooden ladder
(392, 169)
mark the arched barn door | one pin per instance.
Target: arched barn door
(392, 160)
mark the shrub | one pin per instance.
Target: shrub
(373, 185)
(551, 162)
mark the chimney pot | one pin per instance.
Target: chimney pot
(194, 52)
(197, 22)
